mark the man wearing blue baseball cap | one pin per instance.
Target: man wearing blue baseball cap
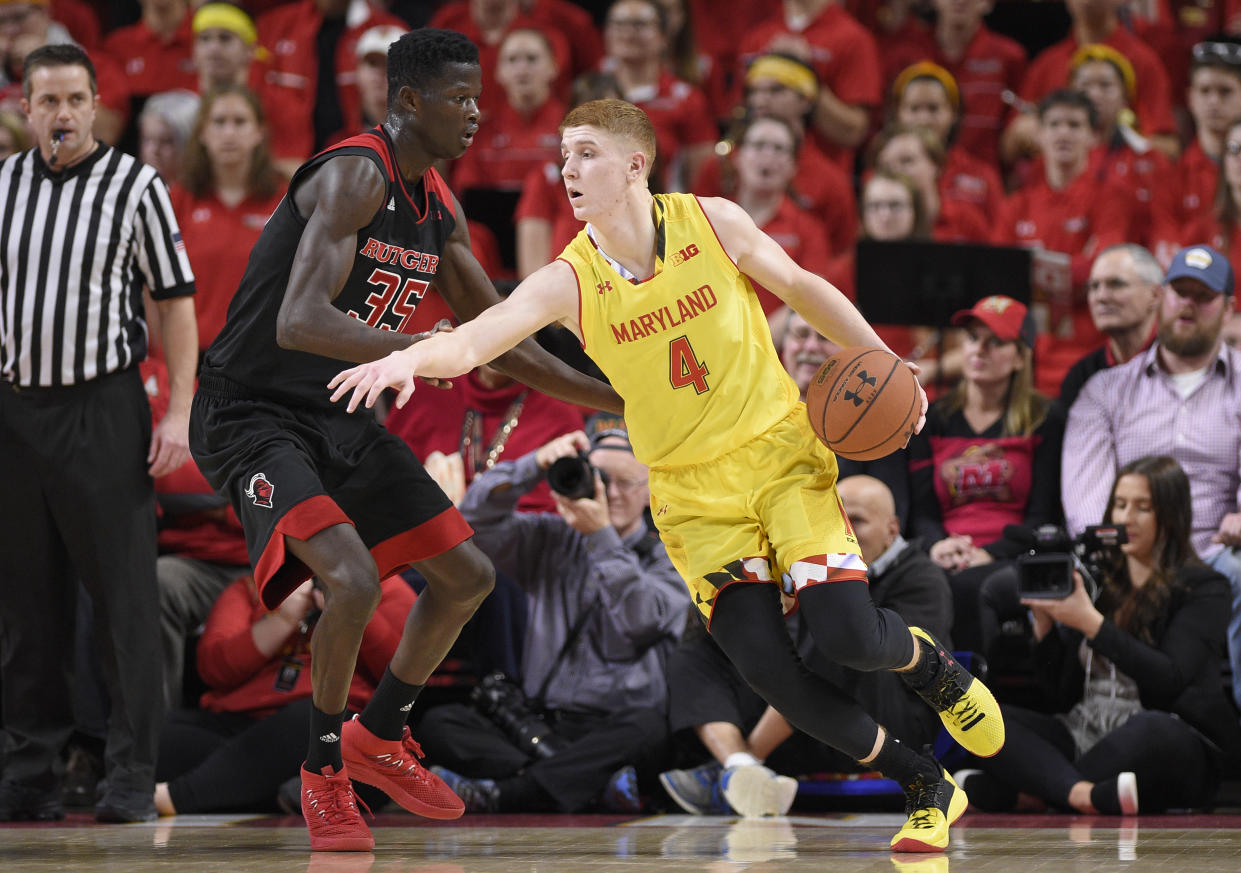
(1181, 397)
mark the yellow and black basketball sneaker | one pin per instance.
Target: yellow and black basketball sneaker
(930, 806)
(965, 706)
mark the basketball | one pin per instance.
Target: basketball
(863, 403)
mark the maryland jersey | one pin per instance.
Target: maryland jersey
(689, 349)
(396, 258)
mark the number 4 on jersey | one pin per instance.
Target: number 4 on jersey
(685, 368)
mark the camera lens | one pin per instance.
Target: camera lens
(572, 477)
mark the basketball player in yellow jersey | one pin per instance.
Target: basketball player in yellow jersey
(658, 290)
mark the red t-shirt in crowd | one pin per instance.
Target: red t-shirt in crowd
(456, 16)
(81, 22)
(971, 180)
(1050, 70)
(819, 186)
(802, 236)
(960, 222)
(1089, 214)
(218, 240)
(1143, 174)
(150, 62)
(443, 422)
(543, 197)
(290, 33)
(244, 680)
(843, 54)
(509, 144)
(1180, 201)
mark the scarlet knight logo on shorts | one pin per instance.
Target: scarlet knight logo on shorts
(260, 490)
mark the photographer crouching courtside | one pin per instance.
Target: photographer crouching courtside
(606, 608)
(1133, 674)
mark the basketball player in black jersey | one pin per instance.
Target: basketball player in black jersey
(336, 276)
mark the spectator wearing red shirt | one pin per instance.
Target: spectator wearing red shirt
(1124, 155)
(918, 154)
(484, 418)
(230, 190)
(1096, 21)
(1214, 99)
(246, 740)
(521, 132)
(687, 61)
(544, 218)
(925, 95)
(784, 88)
(321, 98)
(226, 52)
(156, 54)
(81, 21)
(635, 38)
(1073, 209)
(719, 27)
(486, 22)
(846, 63)
(765, 160)
(1221, 226)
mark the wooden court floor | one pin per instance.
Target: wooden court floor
(829, 843)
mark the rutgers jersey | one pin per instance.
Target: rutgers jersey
(396, 258)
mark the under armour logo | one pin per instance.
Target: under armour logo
(604, 286)
(865, 381)
(663, 510)
(330, 737)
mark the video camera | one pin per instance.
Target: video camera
(1045, 572)
(574, 476)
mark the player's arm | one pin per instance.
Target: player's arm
(468, 291)
(548, 295)
(760, 257)
(337, 200)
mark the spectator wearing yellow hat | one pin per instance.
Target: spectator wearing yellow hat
(1124, 154)
(227, 53)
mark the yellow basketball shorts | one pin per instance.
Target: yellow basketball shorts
(766, 511)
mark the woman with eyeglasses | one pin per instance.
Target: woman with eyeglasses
(1139, 721)
(918, 153)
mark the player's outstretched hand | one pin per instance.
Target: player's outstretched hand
(368, 381)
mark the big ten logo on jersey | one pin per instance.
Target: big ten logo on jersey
(679, 258)
(391, 305)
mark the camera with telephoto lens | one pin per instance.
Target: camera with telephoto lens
(502, 700)
(1045, 572)
(574, 477)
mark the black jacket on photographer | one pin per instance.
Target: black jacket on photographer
(1179, 674)
(637, 601)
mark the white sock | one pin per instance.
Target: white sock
(740, 759)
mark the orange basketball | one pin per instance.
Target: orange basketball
(863, 403)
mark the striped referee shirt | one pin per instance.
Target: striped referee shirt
(76, 249)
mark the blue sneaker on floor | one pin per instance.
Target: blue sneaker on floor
(478, 795)
(621, 795)
(697, 791)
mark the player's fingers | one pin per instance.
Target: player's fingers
(406, 392)
(376, 390)
(359, 392)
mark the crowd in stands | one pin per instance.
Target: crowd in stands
(1109, 394)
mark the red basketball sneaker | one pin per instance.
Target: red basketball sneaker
(392, 766)
(331, 813)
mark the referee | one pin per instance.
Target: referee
(83, 229)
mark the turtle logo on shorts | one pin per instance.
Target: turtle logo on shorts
(260, 490)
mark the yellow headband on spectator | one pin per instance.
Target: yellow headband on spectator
(1097, 51)
(928, 70)
(226, 17)
(788, 72)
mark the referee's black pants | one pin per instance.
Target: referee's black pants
(76, 503)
